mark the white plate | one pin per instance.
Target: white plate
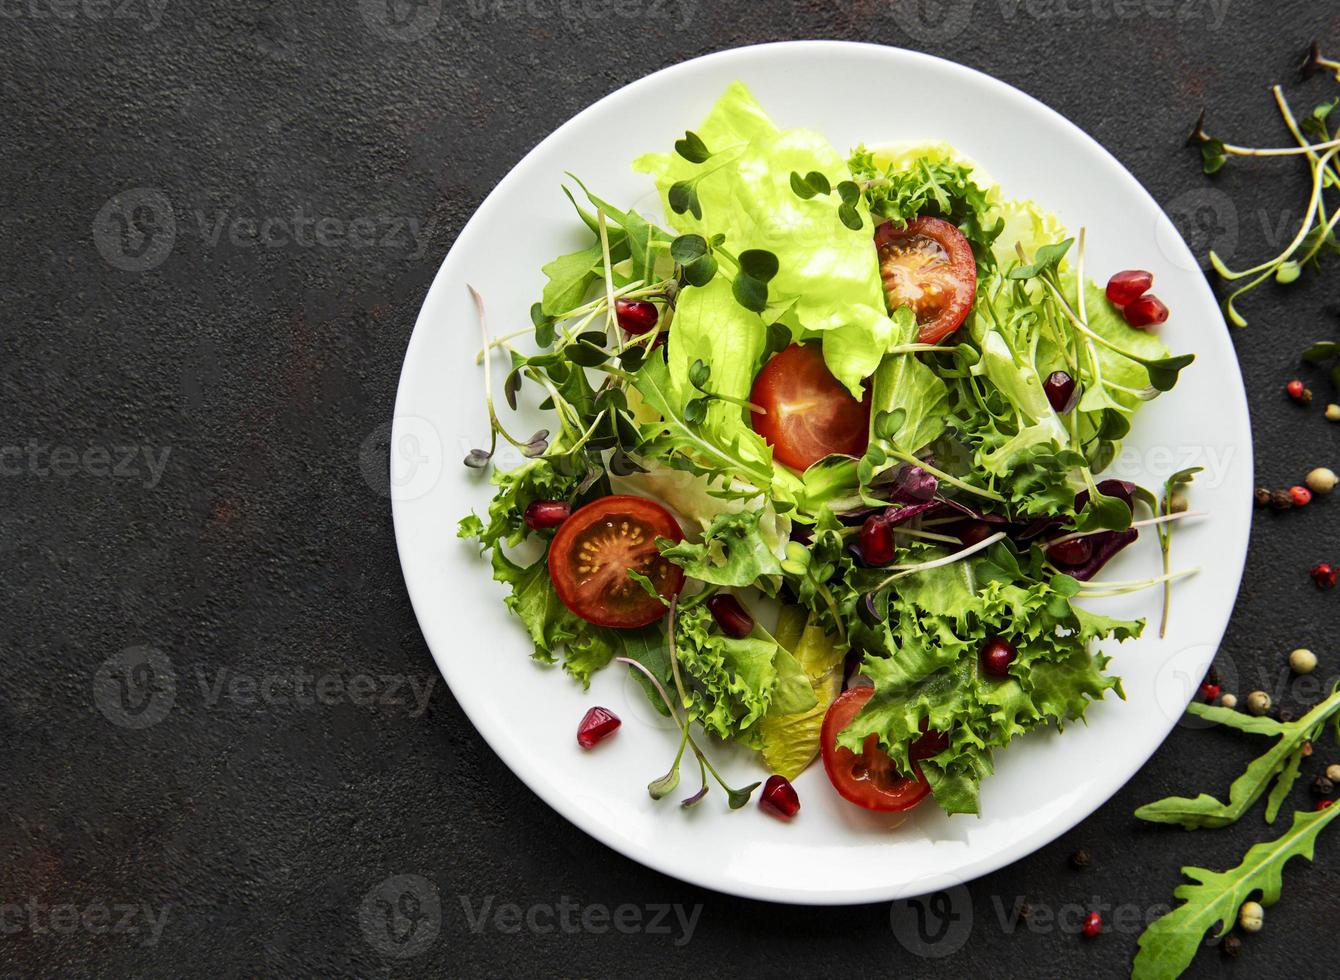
(833, 853)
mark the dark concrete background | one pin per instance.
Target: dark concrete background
(253, 539)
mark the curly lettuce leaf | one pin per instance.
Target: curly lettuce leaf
(535, 480)
(828, 283)
(732, 552)
(551, 625)
(731, 685)
(926, 671)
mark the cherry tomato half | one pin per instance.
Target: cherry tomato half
(808, 413)
(870, 779)
(928, 266)
(595, 548)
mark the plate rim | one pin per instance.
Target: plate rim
(1024, 845)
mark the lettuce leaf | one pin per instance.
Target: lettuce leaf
(828, 284)
(790, 741)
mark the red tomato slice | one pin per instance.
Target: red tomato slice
(593, 551)
(808, 413)
(928, 266)
(870, 780)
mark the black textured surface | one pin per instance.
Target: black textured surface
(263, 372)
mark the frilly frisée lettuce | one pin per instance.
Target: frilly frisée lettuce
(974, 517)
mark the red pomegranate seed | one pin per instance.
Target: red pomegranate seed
(1324, 575)
(1210, 692)
(779, 798)
(1301, 496)
(997, 655)
(1074, 552)
(597, 724)
(876, 541)
(1126, 287)
(636, 317)
(1147, 311)
(545, 514)
(1093, 925)
(1295, 389)
(1322, 805)
(730, 615)
(1062, 392)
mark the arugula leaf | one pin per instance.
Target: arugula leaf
(732, 552)
(1170, 943)
(570, 279)
(1279, 765)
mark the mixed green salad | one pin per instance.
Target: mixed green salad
(823, 463)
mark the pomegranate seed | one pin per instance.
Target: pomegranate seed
(1074, 552)
(597, 724)
(997, 655)
(1295, 389)
(1093, 925)
(1301, 496)
(636, 317)
(1322, 805)
(1062, 391)
(876, 541)
(779, 798)
(1126, 287)
(730, 615)
(1147, 311)
(545, 514)
(1210, 692)
(1324, 575)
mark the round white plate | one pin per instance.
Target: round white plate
(832, 853)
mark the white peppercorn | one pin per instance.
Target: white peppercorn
(1322, 480)
(1229, 700)
(1258, 703)
(1251, 917)
(1302, 661)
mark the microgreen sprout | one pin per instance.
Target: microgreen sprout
(1316, 233)
(815, 184)
(1314, 62)
(666, 784)
(1168, 513)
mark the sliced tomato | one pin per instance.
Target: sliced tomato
(928, 266)
(594, 550)
(870, 779)
(808, 414)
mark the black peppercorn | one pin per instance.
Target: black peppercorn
(1080, 859)
(1281, 500)
(1322, 787)
(1262, 497)
(1025, 912)
(1212, 676)
(1231, 946)
(1284, 715)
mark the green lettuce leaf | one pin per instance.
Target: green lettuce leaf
(903, 382)
(828, 283)
(732, 552)
(552, 627)
(534, 480)
(790, 741)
